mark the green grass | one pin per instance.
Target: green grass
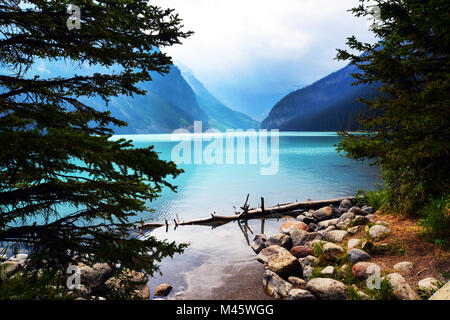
(436, 221)
(376, 199)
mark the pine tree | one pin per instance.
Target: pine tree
(66, 188)
(410, 64)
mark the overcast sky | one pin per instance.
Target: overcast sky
(261, 46)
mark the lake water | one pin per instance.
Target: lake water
(309, 167)
(219, 262)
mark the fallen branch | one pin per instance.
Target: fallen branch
(255, 213)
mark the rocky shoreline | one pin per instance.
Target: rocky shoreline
(324, 254)
(311, 259)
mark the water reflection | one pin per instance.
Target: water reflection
(218, 264)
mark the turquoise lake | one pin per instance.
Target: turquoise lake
(309, 167)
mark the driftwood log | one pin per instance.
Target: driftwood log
(254, 213)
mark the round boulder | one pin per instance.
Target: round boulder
(327, 289)
(323, 213)
(379, 231)
(428, 285)
(279, 239)
(300, 294)
(356, 255)
(283, 263)
(265, 253)
(345, 204)
(404, 267)
(336, 235)
(401, 288)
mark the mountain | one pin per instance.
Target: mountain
(220, 116)
(172, 101)
(169, 104)
(326, 105)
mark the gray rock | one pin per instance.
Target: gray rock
(345, 204)
(353, 243)
(259, 243)
(300, 294)
(358, 211)
(367, 209)
(283, 263)
(265, 253)
(371, 217)
(323, 213)
(301, 237)
(279, 239)
(360, 221)
(332, 251)
(327, 289)
(326, 223)
(346, 216)
(428, 285)
(308, 261)
(95, 276)
(130, 278)
(356, 255)
(276, 286)
(336, 235)
(162, 290)
(404, 267)
(307, 273)
(379, 231)
(382, 223)
(328, 271)
(401, 288)
(296, 281)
